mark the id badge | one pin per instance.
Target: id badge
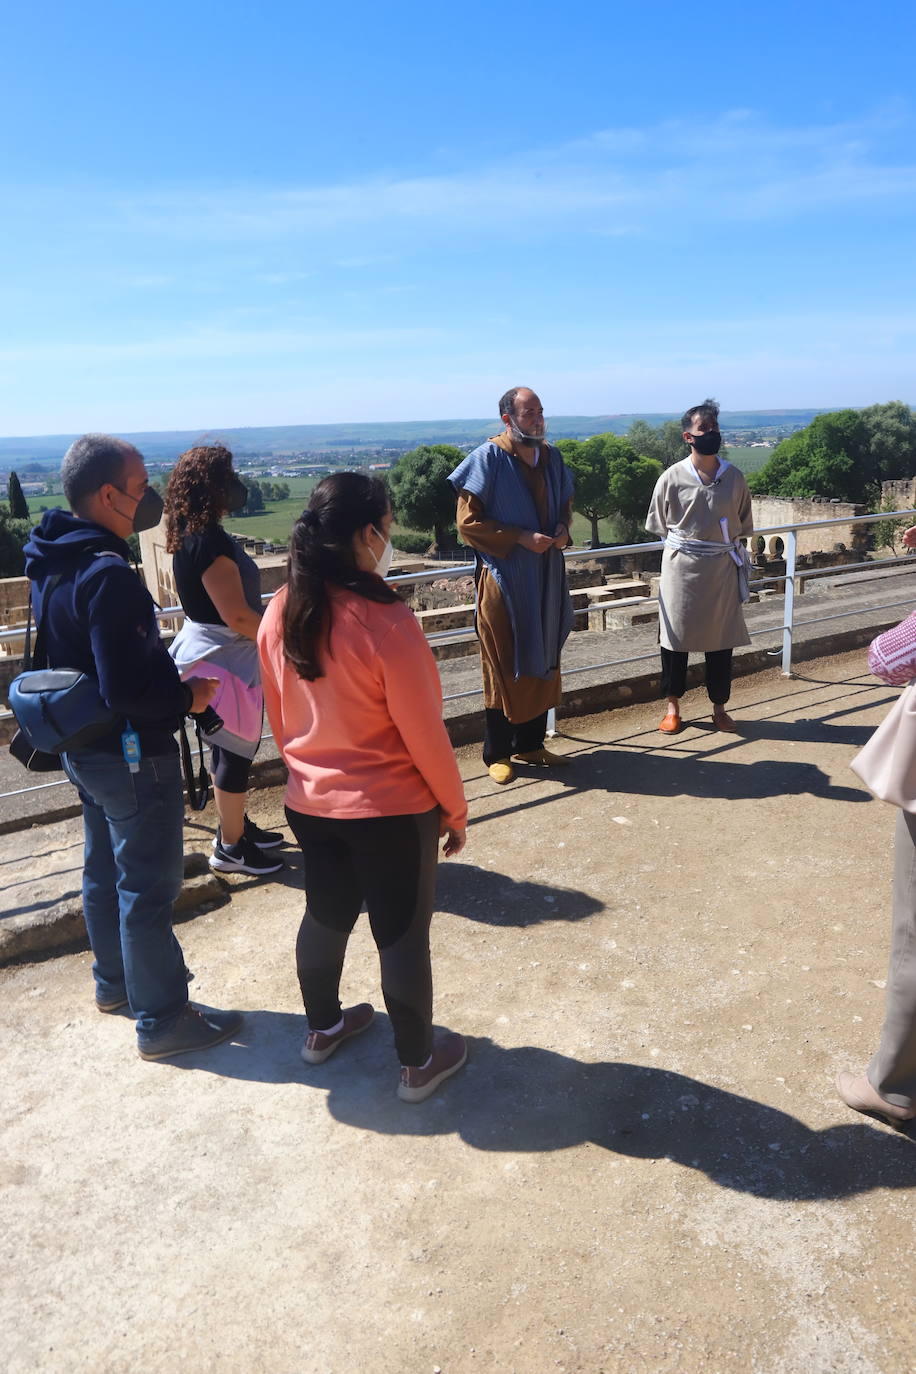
(130, 748)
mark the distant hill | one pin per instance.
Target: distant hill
(280, 440)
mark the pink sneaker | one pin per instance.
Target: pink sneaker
(448, 1056)
(319, 1045)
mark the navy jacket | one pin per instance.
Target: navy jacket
(101, 619)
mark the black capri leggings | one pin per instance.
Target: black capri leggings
(388, 862)
(718, 674)
(229, 771)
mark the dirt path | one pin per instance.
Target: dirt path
(661, 957)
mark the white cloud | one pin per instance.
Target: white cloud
(755, 168)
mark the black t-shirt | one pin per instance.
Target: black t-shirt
(197, 553)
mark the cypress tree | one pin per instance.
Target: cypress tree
(19, 506)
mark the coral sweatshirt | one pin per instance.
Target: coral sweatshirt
(367, 738)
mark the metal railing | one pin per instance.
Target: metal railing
(793, 577)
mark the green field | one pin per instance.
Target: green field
(278, 519)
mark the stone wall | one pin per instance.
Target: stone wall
(899, 495)
(774, 510)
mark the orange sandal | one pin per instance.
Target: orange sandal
(671, 724)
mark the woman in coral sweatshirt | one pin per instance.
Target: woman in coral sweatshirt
(354, 702)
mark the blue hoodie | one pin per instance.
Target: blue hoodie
(101, 619)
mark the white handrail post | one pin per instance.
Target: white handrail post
(791, 547)
(551, 723)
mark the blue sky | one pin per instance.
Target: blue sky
(218, 214)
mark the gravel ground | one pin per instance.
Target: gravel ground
(660, 956)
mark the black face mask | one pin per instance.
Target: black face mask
(236, 496)
(147, 512)
(707, 444)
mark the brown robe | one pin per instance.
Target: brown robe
(519, 699)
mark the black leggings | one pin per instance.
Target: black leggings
(502, 738)
(229, 771)
(388, 862)
(718, 674)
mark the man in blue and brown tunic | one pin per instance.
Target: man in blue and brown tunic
(514, 502)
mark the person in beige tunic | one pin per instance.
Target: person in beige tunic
(701, 507)
(527, 509)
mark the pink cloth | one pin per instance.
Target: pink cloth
(239, 707)
(892, 656)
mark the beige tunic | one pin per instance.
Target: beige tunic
(699, 601)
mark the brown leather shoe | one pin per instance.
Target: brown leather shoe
(859, 1094)
(671, 724)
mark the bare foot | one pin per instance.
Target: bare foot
(723, 721)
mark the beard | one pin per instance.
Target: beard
(528, 440)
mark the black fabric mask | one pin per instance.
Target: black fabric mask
(707, 444)
(236, 496)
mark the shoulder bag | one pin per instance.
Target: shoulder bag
(56, 709)
(887, 763)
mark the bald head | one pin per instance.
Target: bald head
(523, 415)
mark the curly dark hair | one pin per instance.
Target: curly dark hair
(196, 494)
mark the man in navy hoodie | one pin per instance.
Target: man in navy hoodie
(99, 618)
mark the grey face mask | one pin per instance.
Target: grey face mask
(147, 512)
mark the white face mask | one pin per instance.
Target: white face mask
(384, 563)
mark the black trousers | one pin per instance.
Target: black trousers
(388, 862)
(502, 738)
(718, 674)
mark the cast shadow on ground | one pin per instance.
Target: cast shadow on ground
(805, 731)
(493, 898)
(525, 1099)
(667, 774)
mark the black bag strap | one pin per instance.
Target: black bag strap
(198, 788)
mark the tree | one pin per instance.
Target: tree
(421, 495)
(611, 479)
(663, 443)
(587, 461)
(632, 481)
(885, 534)
(845, 455)
(19, 506)
(891, 430)
(255, 502)
(13, 534)
(830, 457)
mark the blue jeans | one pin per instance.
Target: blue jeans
(132, 873)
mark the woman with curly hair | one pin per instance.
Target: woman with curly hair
(219, 587)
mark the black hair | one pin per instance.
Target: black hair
(507, 401)
(92, 462)
(321, 552)
(709, 410)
